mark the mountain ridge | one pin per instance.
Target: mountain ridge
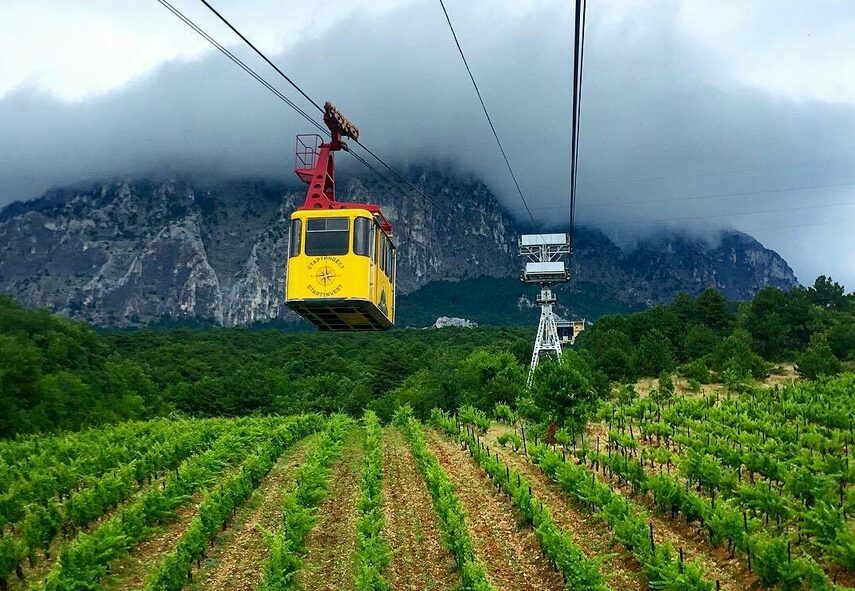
(133, 251)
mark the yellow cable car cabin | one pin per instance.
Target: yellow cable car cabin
(341, 259)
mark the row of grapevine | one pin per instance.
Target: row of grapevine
(221, 504)
(803, 501)
(630, 524)
(580, 574)
(43, 482)
(22, 456)
(446, 504)
(372, 551)
(287, 547)
(811, 447)
(42, 522)
(84, 562)
(796, 494)
(770, 555)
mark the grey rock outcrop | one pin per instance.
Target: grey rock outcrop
(136, 251)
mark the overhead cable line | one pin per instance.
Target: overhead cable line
(576, 117)
(264, 57)
(727, 215)
(317, 106)
(189, 22)
(708, 196)
(486, 112)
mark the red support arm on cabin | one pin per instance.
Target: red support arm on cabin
(320, 174)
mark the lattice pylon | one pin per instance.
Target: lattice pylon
(546, 342)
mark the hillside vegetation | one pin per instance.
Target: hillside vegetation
(56, 374)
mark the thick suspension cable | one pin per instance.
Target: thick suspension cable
(486, 112)
(240, 63)
(189, 22)
(578, 61)
(261, 54)
(385, 165)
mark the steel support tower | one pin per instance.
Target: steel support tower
(545, 266)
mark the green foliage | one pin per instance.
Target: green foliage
(775, 326)
(655, 354)
(311, 486)
(83, 562)
(489, 377)
(372, 551)
(734, 354)
(700, 341)
(220, 505)
(696, 370)
(512, 438)
(567, 390)
(58, 374)
(469, 415)
(612, 348)
(579, 572)
(628, 522)
(452, 518)
(712, 310)
(817, 360)
(504, 413)
(827, 294)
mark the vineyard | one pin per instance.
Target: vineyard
(731, 488)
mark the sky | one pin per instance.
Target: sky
(697, 114)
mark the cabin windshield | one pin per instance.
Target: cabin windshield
(327, 236)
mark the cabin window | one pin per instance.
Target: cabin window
(327, 236)
(387, 256)
(362, 236)
(294, 238)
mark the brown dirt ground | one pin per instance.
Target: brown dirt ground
(235, 563)
(508, 549)
(419, 561)
(332, 542)
(130, 571)
(621, 570)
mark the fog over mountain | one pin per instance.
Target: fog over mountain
(696, 114)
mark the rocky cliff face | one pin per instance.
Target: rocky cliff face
(134, 251)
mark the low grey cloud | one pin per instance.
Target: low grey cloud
(675, 133)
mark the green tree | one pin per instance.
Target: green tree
(734, 354)
(712, 310)
(817, 360)
(565, 390)
(700, 340)
(655, 354)
(827, 294)
(841, 339)
(614, 355)
(489, 377)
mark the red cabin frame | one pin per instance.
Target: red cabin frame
(315, 165)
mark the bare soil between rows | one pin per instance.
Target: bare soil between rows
(419, 560)
(506, 547)
(330, 563)
(620, 569)
(237, 560)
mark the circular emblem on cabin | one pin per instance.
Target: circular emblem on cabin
(325, 276)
